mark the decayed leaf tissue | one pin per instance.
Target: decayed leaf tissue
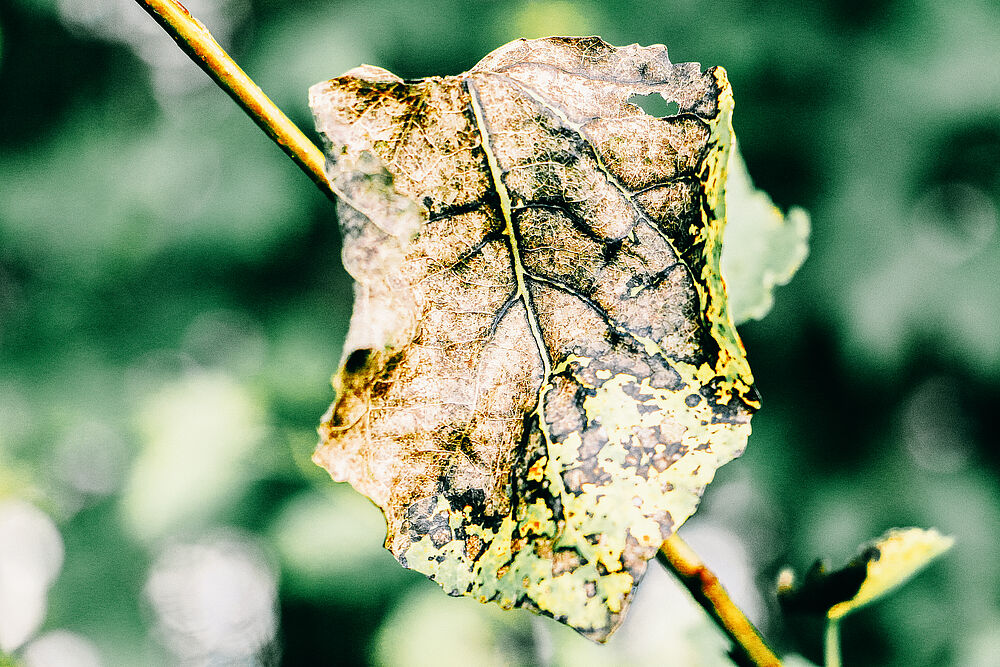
(541, 374)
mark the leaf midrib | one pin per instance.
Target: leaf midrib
(505, 210)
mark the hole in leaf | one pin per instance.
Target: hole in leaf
(655, 105)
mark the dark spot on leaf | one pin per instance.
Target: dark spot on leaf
(474, 498)
(357, 360)
(381, 384)
(441, 536)
(666, 377)
(753, 396)
(420, 519)
(611, 249)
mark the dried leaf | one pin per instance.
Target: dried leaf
(541, 374)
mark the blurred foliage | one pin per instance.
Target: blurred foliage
(172, 305)
(763, 247)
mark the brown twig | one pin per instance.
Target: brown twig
(748, 647)
(199, 44)
(195, 40)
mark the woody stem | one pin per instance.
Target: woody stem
(748, 647)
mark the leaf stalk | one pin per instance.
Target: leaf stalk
(831, 643)
(749, 649)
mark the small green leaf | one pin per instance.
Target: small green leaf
(762, 249)
(880, 567)
(891, 560)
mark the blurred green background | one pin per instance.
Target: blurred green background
(172, 306)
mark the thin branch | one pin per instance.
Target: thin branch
(195, 40)
(749, 648)
(198, 43)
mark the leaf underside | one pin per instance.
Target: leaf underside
(541, 375)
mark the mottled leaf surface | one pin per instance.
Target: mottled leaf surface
(541, 373)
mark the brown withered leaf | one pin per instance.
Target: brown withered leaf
(541, 375)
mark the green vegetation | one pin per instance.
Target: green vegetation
(172, 305)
